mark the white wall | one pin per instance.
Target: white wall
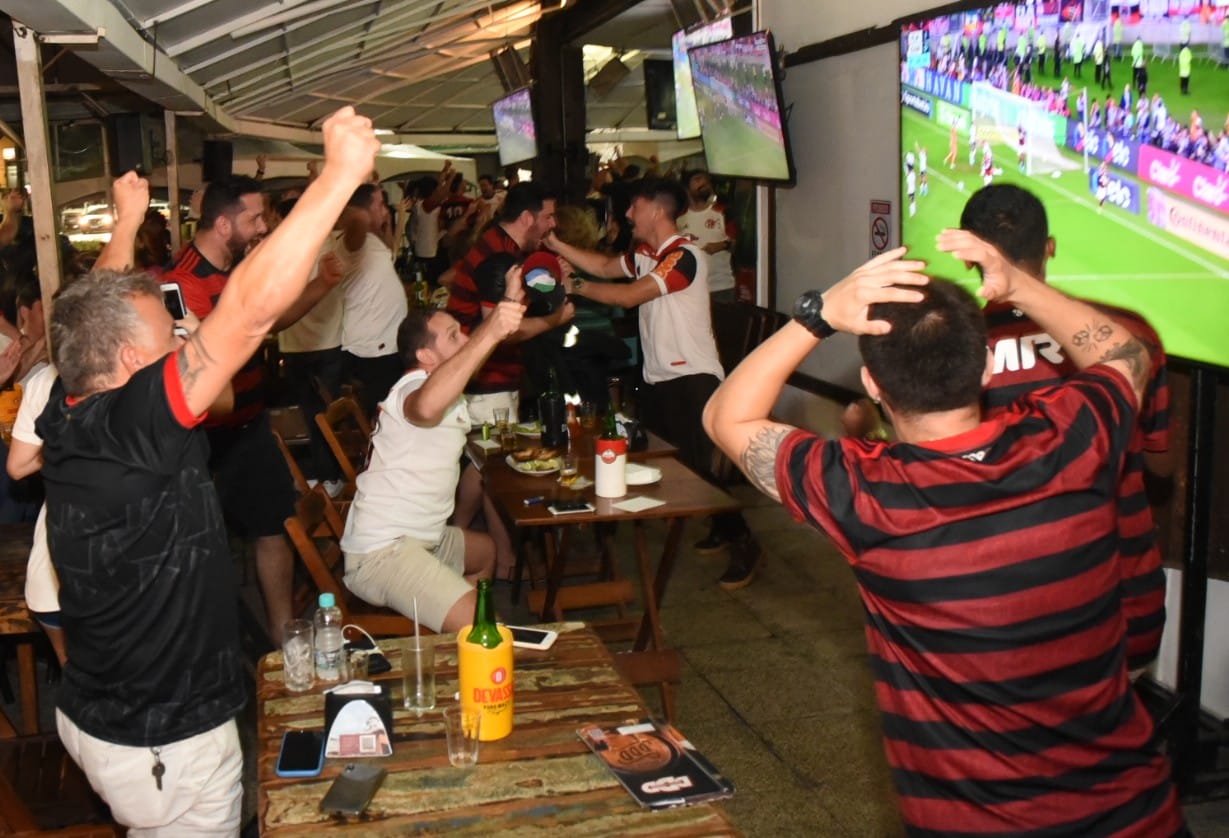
(845, 132)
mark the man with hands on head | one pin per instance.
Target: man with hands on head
(984, 551)
(399, 550)
(148, 594)
(681, 366)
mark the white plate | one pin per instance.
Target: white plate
(638, 475)
(528, 429)
(531, 472)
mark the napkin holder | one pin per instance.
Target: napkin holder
(358, 719)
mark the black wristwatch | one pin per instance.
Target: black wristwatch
(809, 311)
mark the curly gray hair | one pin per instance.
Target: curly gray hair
(90, 320)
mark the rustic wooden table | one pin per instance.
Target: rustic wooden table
(539, 779)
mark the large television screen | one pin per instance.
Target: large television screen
(1137, 197)
(687, 124)
(738, 99)
(518, 139)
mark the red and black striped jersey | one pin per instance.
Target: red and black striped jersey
(201, 284)
(986, 567)
(1028, 359)
(502, 371)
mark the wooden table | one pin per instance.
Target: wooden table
(684, 494)
(539, 779)
(16, 622)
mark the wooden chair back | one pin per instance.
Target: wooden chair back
(296, 473)
(43, 792)
(315, 531)
(348, 434)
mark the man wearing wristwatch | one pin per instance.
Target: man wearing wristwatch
(669, 274)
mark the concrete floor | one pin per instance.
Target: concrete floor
(775, 687)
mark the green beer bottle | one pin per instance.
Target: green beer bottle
(484, 631)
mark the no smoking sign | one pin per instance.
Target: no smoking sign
(881, 226)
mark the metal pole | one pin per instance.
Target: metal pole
(34, 127)
(172, 179)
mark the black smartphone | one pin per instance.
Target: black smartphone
(353, 789)
(377, 664)
(302, 754)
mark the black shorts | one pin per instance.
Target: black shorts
(252, 478)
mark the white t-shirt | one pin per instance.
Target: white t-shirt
(320, 328)
(42, 586)
(373, 301)
(676, 329)
(707, 226)
(410, 484)
(425, 231)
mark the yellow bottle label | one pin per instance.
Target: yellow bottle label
(486, 682)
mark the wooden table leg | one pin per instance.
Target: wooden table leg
(650, 623)
(555, 556)
(27, 675)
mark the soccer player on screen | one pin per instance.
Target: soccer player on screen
(1103, 185)
(987, 163)
(953, 147)
(922, 181)
(911, 183)
(1021, 143)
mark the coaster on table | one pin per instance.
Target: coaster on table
(638, 504)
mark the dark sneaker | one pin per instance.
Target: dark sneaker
(711, 543)
(745, 557)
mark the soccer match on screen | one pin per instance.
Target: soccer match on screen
(1115, 115)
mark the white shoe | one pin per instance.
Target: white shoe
(334, 487)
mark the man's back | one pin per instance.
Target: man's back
(374, 301)
(147, 588)
(502, 371)
(986, 564)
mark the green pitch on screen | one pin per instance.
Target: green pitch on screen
(1113, 256)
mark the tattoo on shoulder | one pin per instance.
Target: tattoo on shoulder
(192, 360)
(1138, 361)
(759, 459)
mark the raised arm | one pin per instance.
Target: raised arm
(275, 273)
(1088, 336)
(130, 192)
(589, 261)
(736, 417)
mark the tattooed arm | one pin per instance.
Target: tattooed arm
(737, 416)
(272, 277)
(1087, 335)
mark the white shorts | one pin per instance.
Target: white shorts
(396, 574)
(202, 788)
(482, 406)
(42, 585)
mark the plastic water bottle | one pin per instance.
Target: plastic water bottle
(330, 657)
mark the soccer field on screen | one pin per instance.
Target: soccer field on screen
(1114, 255)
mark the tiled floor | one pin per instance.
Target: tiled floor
(776, 690)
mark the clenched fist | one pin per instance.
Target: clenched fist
(350, 145)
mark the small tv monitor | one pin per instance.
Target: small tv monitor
(738, 99)
(514, 129)
(1137, 197)
(687, 123)
(659, 98)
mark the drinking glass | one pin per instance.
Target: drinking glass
(298, 655)
(507, 440)
(461, 726)
(588, 415)
(569, 469)
(501, 419)
(418, 674)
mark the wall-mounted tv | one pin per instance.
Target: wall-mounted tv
(738, 99)
(514, 129)
(687, 125)
(1137, 196)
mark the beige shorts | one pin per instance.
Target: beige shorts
(395, 575)
(482, 406)
(42, 585)
(202, 788)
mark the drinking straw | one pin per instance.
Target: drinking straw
(417, 656)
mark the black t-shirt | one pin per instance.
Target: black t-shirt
(147, 589)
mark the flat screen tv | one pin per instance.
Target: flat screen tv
(687, 125)
(1137, 199)
(518, 140)
(738, 99)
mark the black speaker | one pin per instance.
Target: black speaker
(511, 71)
(660, 112)
(217, 156)
(608, 78)
(128, 144)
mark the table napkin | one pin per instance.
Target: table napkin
(487, 444)
(638, 504)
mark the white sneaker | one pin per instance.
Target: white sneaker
(334, 487)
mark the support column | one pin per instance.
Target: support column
(38, 161)
(172, 178)
(559, 111)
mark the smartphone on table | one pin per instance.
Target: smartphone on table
(533, 638)
(353, 790)
(302, 754)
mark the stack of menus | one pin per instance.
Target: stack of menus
(656, 764)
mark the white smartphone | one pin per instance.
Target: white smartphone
(172, 298)
(533, 638)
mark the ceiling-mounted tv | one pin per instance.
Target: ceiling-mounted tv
(514, 129)
(738, 99)
(687, 124)
(1137, 198)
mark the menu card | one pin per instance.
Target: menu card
(656, 764)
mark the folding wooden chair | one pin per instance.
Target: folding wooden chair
(43, 792)
(348, 433)
(315, 530)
